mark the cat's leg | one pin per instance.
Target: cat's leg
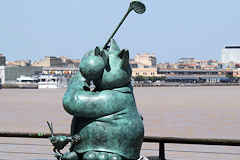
(94, 155)
(70, 156)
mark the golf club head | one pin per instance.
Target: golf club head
(138, 6)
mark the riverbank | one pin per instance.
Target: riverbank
(185, 84)
(35, 85)
(19, 86)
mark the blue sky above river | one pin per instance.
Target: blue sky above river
(32, 29)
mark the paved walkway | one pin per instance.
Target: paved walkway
(32, 149)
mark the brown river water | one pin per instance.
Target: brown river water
(190, 112)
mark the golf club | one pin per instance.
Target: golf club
(135, 5)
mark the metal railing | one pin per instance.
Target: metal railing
(199, 141)
(160, 140)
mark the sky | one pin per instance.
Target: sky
(171, 29)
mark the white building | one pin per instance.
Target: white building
(146, 59)
(2, 74)
(2, 60)
(231, 54)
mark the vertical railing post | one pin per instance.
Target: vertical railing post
(161, 151)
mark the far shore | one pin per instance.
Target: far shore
(35, 86)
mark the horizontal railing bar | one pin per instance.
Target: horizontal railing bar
(202, 141)
(191, 151)
(220, 153)
(11, 152)
(176, 140)
(28, 134)
(25, 144)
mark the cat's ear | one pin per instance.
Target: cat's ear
(97, 52)
(124, 54)
(114, 46)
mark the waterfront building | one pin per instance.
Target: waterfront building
(71, 63)
(146, 72)
(236, 72)
(193, 64)
(165, 66)
(2, 74)
(146, 59)
(2, 60)
(144, 65)
(196, 73)
(11, 73)
(230, 54)
(133, 64)
(19, 63)
(186, 61)
(210, 65)
(139, 65)
(189, 63)
(49, 61)
(204, 79)
(67, 71)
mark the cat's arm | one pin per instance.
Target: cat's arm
(94, 104)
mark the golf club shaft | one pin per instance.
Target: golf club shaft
(115, 31)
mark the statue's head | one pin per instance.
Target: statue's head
(93, 64)
(118, 71)
(107, 68)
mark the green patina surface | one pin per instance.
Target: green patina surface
(106, 124)
(106, 119)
